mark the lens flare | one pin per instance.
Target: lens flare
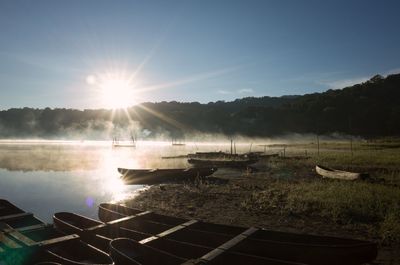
(89, 202)
(114, 90)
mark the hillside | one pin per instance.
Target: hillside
(370, 109)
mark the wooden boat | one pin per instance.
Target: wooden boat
(47, 244)
(308, 249)
(100, 235)
(127, 251)
(174, 157)
(7, 208)
(71, 250)
(230, 162)
(338, 174)
(123, 145)
(211, 155)
(267, 156)
(178, 144)
(39, 242)
(155, 246)
(157, 176)
(17, 218)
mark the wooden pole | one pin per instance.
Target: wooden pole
(351, 145)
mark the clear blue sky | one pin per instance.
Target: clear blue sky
(191, 50)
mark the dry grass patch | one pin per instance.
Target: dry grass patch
(341, 202)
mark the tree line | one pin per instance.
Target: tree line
(369, 109)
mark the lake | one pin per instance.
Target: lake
(45, 177)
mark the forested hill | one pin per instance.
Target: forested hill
(370, 109)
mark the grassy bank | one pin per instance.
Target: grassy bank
(288, 195)
(340, 202)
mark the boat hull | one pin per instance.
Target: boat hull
(126, 251)
(24, 239)
(230, 163)
(290, 247)
(158, 176)
(148, 249)
(338, 174)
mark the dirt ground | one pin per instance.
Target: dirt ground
(224, 198)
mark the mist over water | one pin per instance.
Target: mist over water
(45, 177)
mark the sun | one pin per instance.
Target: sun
(114, 90)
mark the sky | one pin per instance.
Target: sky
(96, 54)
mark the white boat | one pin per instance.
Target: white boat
(338, 174)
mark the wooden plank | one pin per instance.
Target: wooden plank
(114, 222)
(32, 227)
(90, 234)
(96, 227)
(194, 262)
(22, 238)
(228, 245)
(8, 242)
(8, 229)
(176, 228)
(57, 240)
(14, 216)
(168, 232)
(146, 240)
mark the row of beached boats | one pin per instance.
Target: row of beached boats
(126, 236)
(158, 176)
(222, 159)
(204, 164)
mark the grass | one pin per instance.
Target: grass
(263, 200)
(341, 202)
(288, 195)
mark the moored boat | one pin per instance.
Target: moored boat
(101, 235)
(48, 244)
(74, 252)
(229, 162)
(126, 251)
(148, 248)
(309, 249)
(24, 239)
(211, 155)
(157, 176)
(17, 218)
(338, 174)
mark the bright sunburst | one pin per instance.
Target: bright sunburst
(115, 90)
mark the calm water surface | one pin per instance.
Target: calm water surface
(45, 177)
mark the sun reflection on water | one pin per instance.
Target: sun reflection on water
(111, 182)
(76, 176)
